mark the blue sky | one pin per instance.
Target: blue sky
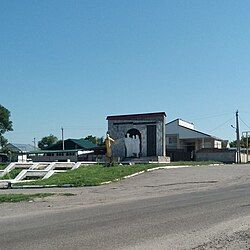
(72, 63)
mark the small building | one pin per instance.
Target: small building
(74, 150)
(72, 144)
(138, 135)
(183, 140)
(18, 151)
(56, 155)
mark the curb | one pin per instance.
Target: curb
(42, 186)
(158, 168)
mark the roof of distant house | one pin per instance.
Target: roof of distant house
(179, 119)
(194, 130)
(81, 143)
(136, 116)
(20, 147)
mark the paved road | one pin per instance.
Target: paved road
(201, 219)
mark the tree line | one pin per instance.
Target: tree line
(49, 140)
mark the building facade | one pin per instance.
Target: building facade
(74, 150)
(138, 135)
(18, 152)
(183, 140)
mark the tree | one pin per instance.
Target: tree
(5, 124)
(47, 141)
(243, 143)
(96, 140)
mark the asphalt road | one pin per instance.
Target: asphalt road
(217, 218)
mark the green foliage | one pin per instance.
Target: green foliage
(5, 124)
(243, 143)
(2, 166)
(22, 197)
(12, 174)
(67, 194)
(47, 141)
(96, 140)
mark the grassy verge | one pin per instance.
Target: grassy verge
(22, 197)
(96, 174)
(3, 166)
(12, 174)
(91, 175)
(193, 163)
(67, 194)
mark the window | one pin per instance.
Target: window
(70, 153)
(172, 140)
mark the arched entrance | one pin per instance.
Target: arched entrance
(133, 143)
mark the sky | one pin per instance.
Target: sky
(72, 63)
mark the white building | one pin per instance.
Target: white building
(182, 140)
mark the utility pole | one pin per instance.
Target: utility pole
(238, 137)
(62, 139)
(34, 141)
(247, 146)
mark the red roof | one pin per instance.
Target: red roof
(136, 116)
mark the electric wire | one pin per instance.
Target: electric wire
(207, 116)
(219, 126)
(244, 122)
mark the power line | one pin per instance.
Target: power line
(221, 125)
(209, 116)
(243, 122)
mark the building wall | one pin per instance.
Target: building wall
(119, 128)
(245, 158)
(177, 137)
(172, 141)
(54, 157)
(223, 156)
(217, 144)
(226, 156)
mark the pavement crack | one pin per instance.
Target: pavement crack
(182, 183)
(245, 205)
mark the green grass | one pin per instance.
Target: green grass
(67, 194)
(96, 174)
(22, 197)
(91, 175)
(193, 163)
(12, 174)
(3, 166)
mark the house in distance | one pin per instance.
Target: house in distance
(74, 150)
(183, 140)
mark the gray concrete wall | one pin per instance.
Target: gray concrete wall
(119, 128)
(244, 158)
(224, 156)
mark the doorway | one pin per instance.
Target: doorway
(151, 140)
